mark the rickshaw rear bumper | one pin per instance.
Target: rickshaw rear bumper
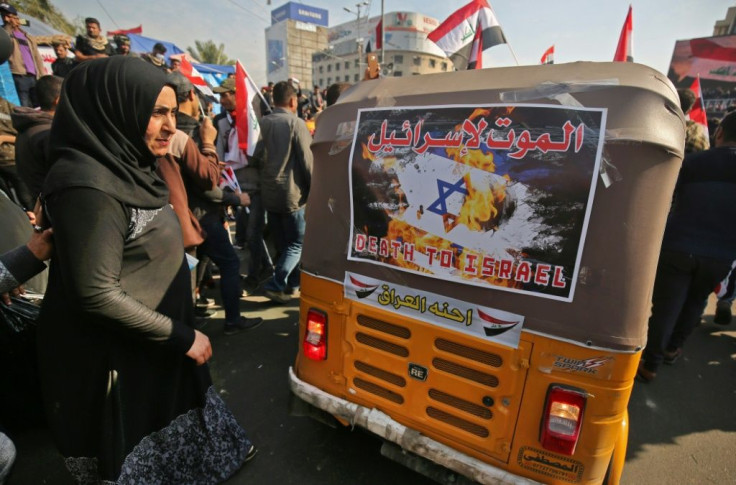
(410, 440)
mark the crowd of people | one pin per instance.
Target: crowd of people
(116, 163)
(698, 249)
(118, 169)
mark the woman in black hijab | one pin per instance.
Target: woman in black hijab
(126, 388)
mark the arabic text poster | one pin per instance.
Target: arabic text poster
(496, 196)
(483, 322)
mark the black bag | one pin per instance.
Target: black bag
(20, 406)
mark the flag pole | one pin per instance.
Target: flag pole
(516, 59)
(383, 28)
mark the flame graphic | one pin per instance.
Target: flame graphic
(399, 230)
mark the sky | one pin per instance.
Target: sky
(581, 30)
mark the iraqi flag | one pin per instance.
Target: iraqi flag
(549, 56)
(467, 33)
(625, 47)
(248, 110)
(697, 112)
(188, 70)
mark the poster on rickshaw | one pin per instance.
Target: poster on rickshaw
(497, 196)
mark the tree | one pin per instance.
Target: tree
(209, 53)
(45, 12)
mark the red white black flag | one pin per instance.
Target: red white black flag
(697, 112)
(549, 56)
(247, 102)
(467, 33)
(625, 47)
(188, 70)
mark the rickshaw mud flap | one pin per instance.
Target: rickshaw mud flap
(411, 440)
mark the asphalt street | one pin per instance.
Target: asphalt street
(683, 429)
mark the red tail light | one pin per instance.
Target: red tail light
(315, 338)
(563, 418)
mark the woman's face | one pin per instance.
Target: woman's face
(162, 125)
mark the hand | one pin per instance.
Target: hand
(201, 350)
(244, 199)
(31, 217)
(41, 244)
(5, 297)
(207, 131)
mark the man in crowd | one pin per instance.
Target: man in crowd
(250, 224)
(25, 62)
(122, 42)
(316, 103)
(208, 205)
(285, 160)
(34, 126)
(695, 138)
(175, 64)
(697, 250)
(10, 182)
(63, 63)
(157, 56)
(93, 45)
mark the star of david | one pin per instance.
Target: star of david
(445, 190)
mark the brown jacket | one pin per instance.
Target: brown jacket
(16, 58)
(201, 169)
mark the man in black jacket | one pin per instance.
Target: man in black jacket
(698, 248)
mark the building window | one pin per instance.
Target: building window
(347, 65)
(398, 73)
(329, 67)
(357, 62)
(432, 63)
(417, 61)
(356, 78)
(337, 66)
(347, 78)
(443, 66)
(320, 82)
(329, 81)
(320, 69)
(398, 59)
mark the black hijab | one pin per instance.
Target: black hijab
(97, 133)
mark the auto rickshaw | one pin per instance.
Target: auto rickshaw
(478, 264)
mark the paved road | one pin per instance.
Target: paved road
(683, 425)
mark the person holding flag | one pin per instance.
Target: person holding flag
(238, 132)
(696, 138)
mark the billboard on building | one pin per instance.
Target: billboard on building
(300, 12)
(405, 31)
(714, 60)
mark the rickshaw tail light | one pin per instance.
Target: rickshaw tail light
(563, 418)
(315, 338)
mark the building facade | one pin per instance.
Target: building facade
(296, 32)
(726, 26)
(406, 50)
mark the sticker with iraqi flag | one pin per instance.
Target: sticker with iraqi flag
(487, 323)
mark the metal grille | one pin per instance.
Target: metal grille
(457, 422)
(380, 374)
(365, 339)
(461, 404)
(462, 371)
(378, 390)
(469, 352)
(385, 327)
